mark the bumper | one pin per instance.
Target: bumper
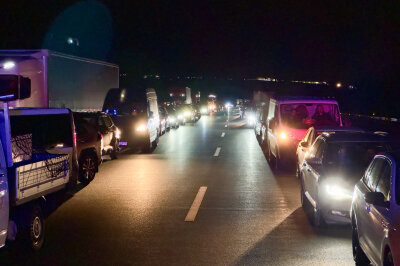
(136, 140)
(336, 211)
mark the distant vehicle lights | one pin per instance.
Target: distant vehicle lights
(8, 65)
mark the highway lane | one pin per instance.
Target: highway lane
(134, 211)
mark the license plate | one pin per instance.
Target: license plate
(123, 143)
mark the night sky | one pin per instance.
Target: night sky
(356, 42)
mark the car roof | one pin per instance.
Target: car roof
(305, 99)
(337, 129)
(352, 136)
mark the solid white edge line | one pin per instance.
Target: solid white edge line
(217, 151)
(223, 134)
(191, 215)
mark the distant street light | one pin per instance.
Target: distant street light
(338, 85)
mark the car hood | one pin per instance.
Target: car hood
(346, 175)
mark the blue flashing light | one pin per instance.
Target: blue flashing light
(114, 111)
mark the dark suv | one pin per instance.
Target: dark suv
(105, 125)
(88, 145)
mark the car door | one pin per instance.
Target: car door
(314, 169)
(378, 216)
(310, 173)
(364, 222)
(4, 198)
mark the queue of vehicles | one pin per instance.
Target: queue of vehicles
(46, 148)
(347, 175)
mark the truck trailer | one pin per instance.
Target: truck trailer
(60, 80)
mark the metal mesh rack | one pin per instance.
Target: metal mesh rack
(41, 172)
(21, 147)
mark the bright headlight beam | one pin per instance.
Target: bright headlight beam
(8, 65)
(141, 128)
(338, 192)
(282, 135)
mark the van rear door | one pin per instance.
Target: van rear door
(4, 198)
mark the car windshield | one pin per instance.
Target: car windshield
(304, 115)
(354, 154)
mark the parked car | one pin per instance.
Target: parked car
(188, 112)
(164, 119)
(173, 116)
(311, 135)
(135, 112)
(181, 114)
(104, 124)
(88, 142)
(287, 119)
(375, 213)
(328, 175)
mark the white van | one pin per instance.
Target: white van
(287, 121)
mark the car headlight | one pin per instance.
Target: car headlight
(187, 114)
(171, 119)
(251, 119)
(338, 192)
(180, 117)
(283, 135)
(203, 110)
(141, 128)
(118, 133)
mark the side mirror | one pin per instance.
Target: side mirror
(151, 114)
(304, 144)
(376, 198)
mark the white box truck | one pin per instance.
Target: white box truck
(60, 80)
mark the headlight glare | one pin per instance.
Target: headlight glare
(336, 191)
(141, 128)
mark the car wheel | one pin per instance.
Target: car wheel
(358, 254)
(87, 168)
(303, 197)
(297, 170)
(277, 164)
(318, 219)
(388, 259)
(146, 148)
(32, 228)
(114, 151)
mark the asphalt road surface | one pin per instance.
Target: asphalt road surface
(134, 211)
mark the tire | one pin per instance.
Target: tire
(303, 198)
(277, 164)
(297, 171)
(113, 153)
(388, 259)
(32, 227)
(87, 168)
(358, 254)
(317, 218)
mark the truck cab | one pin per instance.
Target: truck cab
(37, 158)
